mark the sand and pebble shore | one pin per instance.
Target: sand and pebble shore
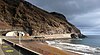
(42, 47)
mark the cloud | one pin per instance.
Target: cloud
(88, 19)
(88, 23)
(68, 7)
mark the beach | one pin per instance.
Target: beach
(42, 47)
(86, 46)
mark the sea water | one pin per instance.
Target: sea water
(86, 46)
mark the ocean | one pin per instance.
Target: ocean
(86, 46)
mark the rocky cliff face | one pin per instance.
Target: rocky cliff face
(23, 15)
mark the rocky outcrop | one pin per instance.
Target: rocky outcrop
(58, 15)
(23, 15)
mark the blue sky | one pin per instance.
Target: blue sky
(84, 14)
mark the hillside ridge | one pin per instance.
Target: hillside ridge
(35, 21)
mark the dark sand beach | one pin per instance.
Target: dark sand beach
(42, 48)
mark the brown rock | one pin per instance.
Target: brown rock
(35, 21)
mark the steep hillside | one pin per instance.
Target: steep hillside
(23, 15)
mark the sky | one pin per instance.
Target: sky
(84, 14)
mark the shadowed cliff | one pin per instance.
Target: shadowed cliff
(23, 15)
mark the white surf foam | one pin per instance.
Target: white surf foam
(77, 48)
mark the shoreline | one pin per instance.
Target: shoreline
(70, 51)
(44, 44)
(79, 53)
(42, 41)
(77, 48)
(38, 42)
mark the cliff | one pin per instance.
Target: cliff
(21, 14)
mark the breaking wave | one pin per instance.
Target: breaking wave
(77, 48)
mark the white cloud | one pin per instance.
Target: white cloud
(91, 18)
(73, 4)
(88, 23)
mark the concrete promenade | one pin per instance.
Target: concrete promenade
(1, 51)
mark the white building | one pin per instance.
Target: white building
(15, 33)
